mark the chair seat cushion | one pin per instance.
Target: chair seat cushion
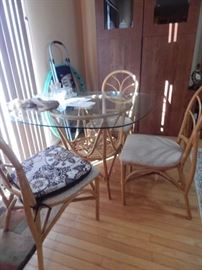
(151, 151)
(53, 170)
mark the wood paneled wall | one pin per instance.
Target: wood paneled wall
(167, 61)
(118, 48)
(146, 51)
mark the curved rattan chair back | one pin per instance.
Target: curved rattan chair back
(191, 126)
(189, 134)
(120, 84)
(25, 191)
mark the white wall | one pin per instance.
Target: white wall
(53, 20)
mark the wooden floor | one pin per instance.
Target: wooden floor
(149, 233)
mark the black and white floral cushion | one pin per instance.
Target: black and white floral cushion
(53, 170)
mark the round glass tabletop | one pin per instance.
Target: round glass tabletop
(90, 111)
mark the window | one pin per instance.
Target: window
(17, 79)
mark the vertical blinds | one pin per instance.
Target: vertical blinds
(17, 79)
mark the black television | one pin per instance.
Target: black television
(171, 11)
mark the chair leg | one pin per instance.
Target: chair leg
(189, 216)
(112, 165)
(97, 199)
(106, 177)
(123, 176)
(108, 189)
(39, 249)
(130, 168)
(8, 214)
(156, 177)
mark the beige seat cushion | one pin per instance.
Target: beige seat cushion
(150, 150)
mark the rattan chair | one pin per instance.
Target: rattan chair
(121, 86)
(147, 154)
(118, 87)
(67, 177)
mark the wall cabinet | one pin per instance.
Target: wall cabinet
(119, 48)
(167, 53)
(159, 54)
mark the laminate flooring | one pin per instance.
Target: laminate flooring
(149, 233)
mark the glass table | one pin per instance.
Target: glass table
(91, 125)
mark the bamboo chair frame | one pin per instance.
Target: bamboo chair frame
(97, 145)
(41, 217)
(103, 143)
(188, 138)
(124, 83)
